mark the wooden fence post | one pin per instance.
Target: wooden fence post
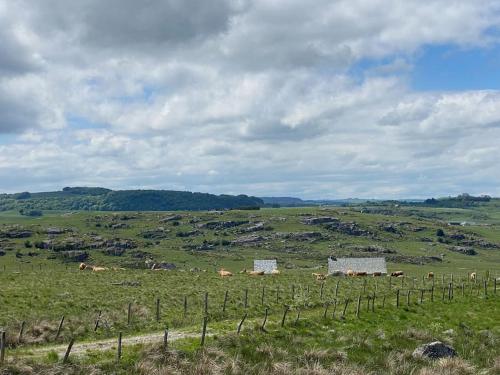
(408, 298)
(432, 293)
(129, 313)
(157, 310)
(263, 326)
(185, 306)
(277, 294)
(450, 291)
(293, 292)
(358, 306)
(334, 308)
(421, 296)
(96, 325)
(226, 293)
(327, 305)
(165, 339)
(373, 301)
(204, 331)
(337, 288)
(119, 350)
(397, 298)
(241, 323)
(345, 307)
(246, 298)
(284, 315)
(21, 331)
(68, 350)
(59, 328)
(205, 307)
(485, 287)
(298, 317)
(3, 344)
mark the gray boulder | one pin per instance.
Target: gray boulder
(434, 350)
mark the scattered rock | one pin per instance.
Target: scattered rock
(434, 350)
(252, 239)
(163, 266)
(298, 236)
(15, 233)
(114, 251)
(463, 250)
(222, 224)
(54, 231)
(74, 256)
(319, 220)
(171, 218)
(188, 234)
(351, 229)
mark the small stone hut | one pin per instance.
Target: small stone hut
(268, 266)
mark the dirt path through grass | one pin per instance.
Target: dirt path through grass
(108, 344)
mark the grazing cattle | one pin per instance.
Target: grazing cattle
(319, 276)
(350, 273)
(430, 275)
(376, 274)
(360, 273)
(224, 273)
(256, 273)
(473, 276)
(275, 272)
(84, 266)
(397, 274)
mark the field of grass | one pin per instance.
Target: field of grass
(39, 286)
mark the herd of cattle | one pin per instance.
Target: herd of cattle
(319, 276)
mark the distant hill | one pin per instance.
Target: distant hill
(297, 202)
(101, 199)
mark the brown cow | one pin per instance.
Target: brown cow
(256, 273)
(376, 274)
(350, 273)
(430, 275)
(82, 266)
(224, 273)
(99, 269)
(360, 273)
(397, 273)
(319, 276)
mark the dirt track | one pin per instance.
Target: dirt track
(108, 344)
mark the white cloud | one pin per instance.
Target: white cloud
(242, 97)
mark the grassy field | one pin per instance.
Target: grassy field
(40, 285)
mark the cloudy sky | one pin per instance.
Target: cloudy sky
(315, 99)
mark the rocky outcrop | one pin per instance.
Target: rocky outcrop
(252, 239)
(299, 236)
(171, 218)
(434, 350)
(319, 220)
(222, 224)
(463, 250)
(351, 229)
(15, 233)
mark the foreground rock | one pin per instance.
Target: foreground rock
(434, 350)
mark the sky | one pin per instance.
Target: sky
(324, 99)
